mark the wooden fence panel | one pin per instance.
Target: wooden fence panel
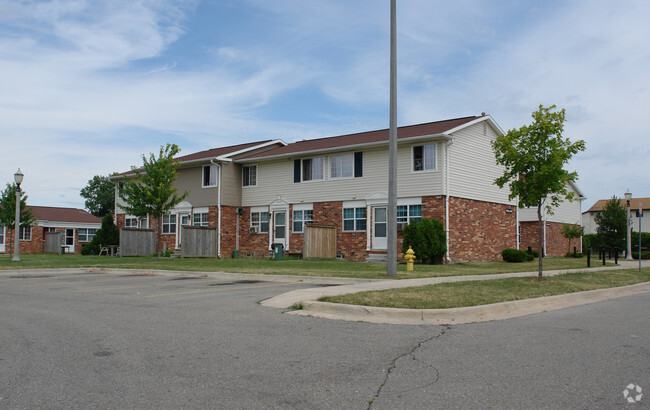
(137, 242)
(53, 242)
(199, 242)
(319, 241)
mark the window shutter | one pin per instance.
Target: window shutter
(358, 164)
(296, 170)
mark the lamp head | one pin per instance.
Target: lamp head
(628, 195)
(18, 177)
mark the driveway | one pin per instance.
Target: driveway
(117, 340)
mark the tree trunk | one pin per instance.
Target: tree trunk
(541, 240)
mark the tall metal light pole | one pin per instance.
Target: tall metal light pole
(391, 232)
(628, 253)
(18, 178)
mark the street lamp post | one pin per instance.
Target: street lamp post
(628, 253)
(18, 178)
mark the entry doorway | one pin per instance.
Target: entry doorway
(68, 240)
(2, 238)
(379, 226)
(280, 227)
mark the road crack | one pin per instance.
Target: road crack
(393, 365)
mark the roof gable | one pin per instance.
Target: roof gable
(634, 204)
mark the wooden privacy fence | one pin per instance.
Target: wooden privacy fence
(320, 241)
(53, 242)
(199, 242)
(137, 242)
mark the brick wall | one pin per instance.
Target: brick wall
(479, 231)
(37, 242)
(556, 243)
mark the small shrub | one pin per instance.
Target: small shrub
(573, 255)
(515, 255)
(427, 239)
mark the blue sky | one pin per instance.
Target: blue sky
(88, 86)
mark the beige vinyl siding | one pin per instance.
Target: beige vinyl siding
(275, 180)
(568, 212)
(191, 180)
(473, 167)
(231, 185)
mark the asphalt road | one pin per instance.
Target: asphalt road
(71, 340)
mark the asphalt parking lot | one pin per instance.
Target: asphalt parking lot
(122, 340)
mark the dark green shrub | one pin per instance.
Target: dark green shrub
(515, 255)
(108, 234)
(427, 239)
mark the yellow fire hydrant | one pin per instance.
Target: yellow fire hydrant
(409, 257)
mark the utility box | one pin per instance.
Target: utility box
(278, 250)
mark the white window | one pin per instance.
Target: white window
(424, 157)
(300, 217)
(201, 219)
(249, 175)
(25, 233)
(209, 176)
(260, 222)
(342, 166)
(134, 222)
(408, 213)
(86, 235)
(354, 219)
(169, 224)
(312, 169)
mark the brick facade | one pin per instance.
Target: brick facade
(556, 243)
(37, 242)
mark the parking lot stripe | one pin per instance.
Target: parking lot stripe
(222, 290)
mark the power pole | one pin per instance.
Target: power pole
(391, 232)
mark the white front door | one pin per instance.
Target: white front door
(68, 240)
(183, 220)
(280, 227)
(2, 238)
(379, 224)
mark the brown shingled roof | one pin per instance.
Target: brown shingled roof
(634, 204)
(215, 152)
(56, 214)
(431, 128)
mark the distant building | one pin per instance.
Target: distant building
(77, 226)
(592, 227)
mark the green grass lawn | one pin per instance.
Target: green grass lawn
(474, 293)
(336, 268)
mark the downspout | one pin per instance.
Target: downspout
(518, 230)
(449, 142)
(218, 207)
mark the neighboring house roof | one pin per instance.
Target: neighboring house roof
(634, 204)
(65, 215)
(438, 128)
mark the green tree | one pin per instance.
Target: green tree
(427, 239)
(534, 157)
(612, 224)
(8, 208)
(151, 192)
(108, 234)
(99, 193)
(572, 232)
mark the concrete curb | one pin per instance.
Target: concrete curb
(484, 313)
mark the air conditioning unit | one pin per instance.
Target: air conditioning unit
(254, 229)
(401, 226)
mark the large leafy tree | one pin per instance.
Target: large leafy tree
(99, 193)
(612, 223)
(8, 208)
(534, 157)
(151, 192)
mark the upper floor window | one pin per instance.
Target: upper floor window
(201, 219)
(86, 234)
(424, 157)
(25, 233)
(300, 218)
(310, 169)
(346, 165)
(637, 214)
(209, 175)
(169, 224)
(249, 175)
(133, 222)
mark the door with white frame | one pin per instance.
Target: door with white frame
(280, 227)
(379, 226)
(3, 234)
(68, 240)
(183, 219)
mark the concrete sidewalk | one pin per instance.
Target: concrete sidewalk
(307, 298)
